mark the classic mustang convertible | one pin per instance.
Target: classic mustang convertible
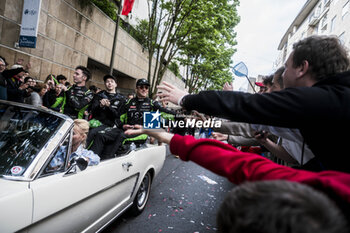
(73, 198)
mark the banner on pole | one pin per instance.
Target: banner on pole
(30, 23)
(128, 4)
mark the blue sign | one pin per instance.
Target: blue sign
(27, 41)
(30, 23)
(151, 120)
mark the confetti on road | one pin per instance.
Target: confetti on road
(207, 179)
(212, 196)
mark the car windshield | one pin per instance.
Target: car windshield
(23, 132)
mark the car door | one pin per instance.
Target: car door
(82, 201)
(15, 205)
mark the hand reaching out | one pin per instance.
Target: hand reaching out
(172, 93)
(227, 87)
(159, 134)
(126, 127)
(220, 136)
(261, 137)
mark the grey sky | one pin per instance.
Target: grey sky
(262, 25)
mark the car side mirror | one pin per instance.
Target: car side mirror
(76, 164)
(81, 163)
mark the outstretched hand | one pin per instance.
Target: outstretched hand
(227, 87)
(261, 137)
(172, 93)
(219, 136)
(159, 134)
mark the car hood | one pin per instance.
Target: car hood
(11, 187)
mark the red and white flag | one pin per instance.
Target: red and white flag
(127, 7)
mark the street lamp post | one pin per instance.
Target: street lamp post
(115, 38)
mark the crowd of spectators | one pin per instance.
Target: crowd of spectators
(296, 116)
(311, 102)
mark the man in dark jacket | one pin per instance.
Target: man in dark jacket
(108, 104)
(78, 97)
(106, 108)
(132, 114)
(134, 108)
(17, 90)
(316, 100)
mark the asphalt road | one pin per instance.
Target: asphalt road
(184, 198)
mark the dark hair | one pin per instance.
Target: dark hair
(325, 55)
(267, 81)
(86, 72)
(278, 73)
(279, 207)
(93, 88)
(67, 84)
(49, 77)
(27, 78)
(61, 77)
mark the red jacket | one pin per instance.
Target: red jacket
(239, 166)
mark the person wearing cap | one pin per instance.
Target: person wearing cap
(78, 97)
(106, 108)
(262, 88)
(134, 109)
(107, 142)
(107, 104)
(3, 64)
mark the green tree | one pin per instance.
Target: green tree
(207, 52)
(199, 30)
(109, 7)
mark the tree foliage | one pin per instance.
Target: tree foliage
(174, 67)
(196, 33)
(107, 6)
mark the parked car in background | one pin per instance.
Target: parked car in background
(73, 198)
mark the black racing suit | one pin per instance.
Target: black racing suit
(76, 101)
(132, 114)
(134, 109)
(109, 117)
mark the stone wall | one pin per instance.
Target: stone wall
(68, 35)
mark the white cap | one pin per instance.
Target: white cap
(16, 66)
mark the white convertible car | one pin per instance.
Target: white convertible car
(74, 198)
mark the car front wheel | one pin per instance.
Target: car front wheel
(142, 195)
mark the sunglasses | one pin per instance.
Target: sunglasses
(143, 87)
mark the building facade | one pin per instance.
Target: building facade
(71, 34)
(317, 17)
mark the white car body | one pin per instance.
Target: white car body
(73, 200)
